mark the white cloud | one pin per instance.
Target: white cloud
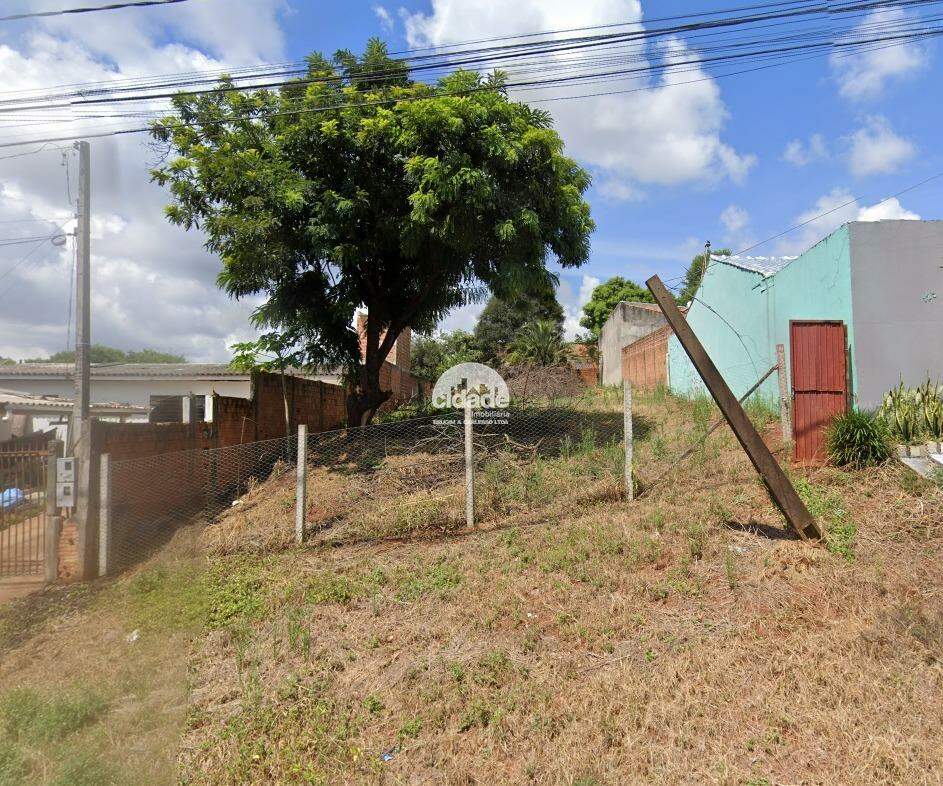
(737, 230)
(863, 74)
(385, 18)
(735, 219)
(669, 132)
(573, 303)
(831, 211)
(153, 284)
(804, 153)
(876, 149)
(888, 210)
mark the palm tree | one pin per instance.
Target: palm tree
(539, 343)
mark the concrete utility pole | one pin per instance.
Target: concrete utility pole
(80, 433)
(82, 298)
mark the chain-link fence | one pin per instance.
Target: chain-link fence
(144, 500)
(416, 477)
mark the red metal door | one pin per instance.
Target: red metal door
(819, 361)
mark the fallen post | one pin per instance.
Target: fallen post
(778, 485)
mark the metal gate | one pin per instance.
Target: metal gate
(22, 511)
(819, 362)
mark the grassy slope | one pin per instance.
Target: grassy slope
(575, 639)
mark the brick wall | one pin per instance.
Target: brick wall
(177, 487)
(645, 362)
(399, 355)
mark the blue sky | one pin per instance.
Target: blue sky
(731, 160)
(869, 133)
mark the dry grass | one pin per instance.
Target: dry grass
(678, 639)
(574, 638)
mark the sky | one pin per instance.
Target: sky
(734, 160)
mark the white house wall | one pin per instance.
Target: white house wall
(897, 302)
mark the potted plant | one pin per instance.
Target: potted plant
(900, 412)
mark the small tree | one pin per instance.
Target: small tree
(502, 319)
(271, 352)
(432, 355)
(606, 297)
(695, 274)
(538, 343)
(358, 187)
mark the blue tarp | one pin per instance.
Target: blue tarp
(11, 498)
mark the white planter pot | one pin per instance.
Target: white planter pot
(918, 451)
(903, 451)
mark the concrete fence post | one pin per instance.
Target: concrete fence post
(783, 393)
(53, 522)
(104, 516)
(627, 427)
(469, 467)
(301, 484)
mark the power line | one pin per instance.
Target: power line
(525, 85)
(26, 257)
(493, 55)
(89, 9)
(852, 201)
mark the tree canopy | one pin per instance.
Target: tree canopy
(502, 319)
(694, 274)
(356, 186)
(606, 297)
(99, 353)
(432, 355)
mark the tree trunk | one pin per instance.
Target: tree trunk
(285, 399)
(365, 398)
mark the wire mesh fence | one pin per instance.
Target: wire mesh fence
(422, 476)
(145, 500)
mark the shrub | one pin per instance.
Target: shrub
(857, 439)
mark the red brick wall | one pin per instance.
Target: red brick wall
(645, 362)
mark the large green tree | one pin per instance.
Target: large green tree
(356, 186)
(604, 299)
(503, 318)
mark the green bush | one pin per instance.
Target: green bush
(857, 439)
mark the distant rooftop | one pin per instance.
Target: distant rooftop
(132, 370)
(765, 266)
(18, 400)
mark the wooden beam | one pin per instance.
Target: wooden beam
(778, 485)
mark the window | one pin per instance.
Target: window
(170, 409)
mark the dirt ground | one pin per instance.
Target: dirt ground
(574, 638)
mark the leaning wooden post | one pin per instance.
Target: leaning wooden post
(301, 484)
(53, 522)
(780, 489)
(469, 467)
(783, 393)
(627, 426)
(104, 516)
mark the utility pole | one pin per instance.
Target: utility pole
(83, 296)
(80, 433)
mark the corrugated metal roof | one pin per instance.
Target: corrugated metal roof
(212, 370)
(152, 370)
(16, 399)
(765, 266)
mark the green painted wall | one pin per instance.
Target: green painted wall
(817, 285)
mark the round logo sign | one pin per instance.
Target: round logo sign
(477, 385)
